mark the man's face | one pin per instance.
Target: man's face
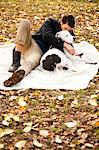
(66, 27)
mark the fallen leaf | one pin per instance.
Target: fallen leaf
(28, 124)
(20, 144)
(72, 145)
(1, 96)
(10, 115)
(36, 18)
(88, 145)
(93, 102)
(74, 103)
(97, 124)
(8, 131)
(58, 140)
(27, 129)
(4, 122)
(13, 97)
(93, 96)
(11, 147)
(5, 132)
(1, 132)
(44, 133)
(79, 131)
(21, 101)
(36, 143)
(1, 146)
(71, 124)
(16, 118)
(7, 117)
(61, 97)
(21, 109)
(84, 136)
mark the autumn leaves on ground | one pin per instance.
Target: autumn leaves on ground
(50, 119)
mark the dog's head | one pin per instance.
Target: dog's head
(49, 63)
(66, 36)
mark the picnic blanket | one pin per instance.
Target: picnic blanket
(41, 79)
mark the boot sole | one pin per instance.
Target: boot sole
(15, 78)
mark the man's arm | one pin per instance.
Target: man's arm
(69, 48)
(48, 35)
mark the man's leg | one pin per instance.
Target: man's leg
(30, 61)
(31, 53)
(23, 42)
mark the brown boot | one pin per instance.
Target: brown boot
(15, 78)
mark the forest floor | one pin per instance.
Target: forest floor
(50, 119)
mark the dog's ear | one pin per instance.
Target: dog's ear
(56, 58)
(50, 59)
(47, 65)
(72, 33)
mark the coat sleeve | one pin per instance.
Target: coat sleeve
(48, 35)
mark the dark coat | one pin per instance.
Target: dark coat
(45, 37)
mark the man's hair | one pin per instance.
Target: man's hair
(69, 19)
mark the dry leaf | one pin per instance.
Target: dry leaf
(93, 102)
(97, 124)
(84, 136)
(58, 140)
(88, 145)
(93, 96)
(10, 115)
(5, 132)
(13, 97)
(28, 124)
(7, 117)
(4, 122)
(21, 101)
(1, 96)
(1, 146)
(61, 97)
(20, 144)
(27, 129)
(16, 118)
(36, 18)
(75, 102)
(71, 124)
(79, 131)
(36, 143)
(8, 131)
(1, 132)
(21, 109)
(44, 133)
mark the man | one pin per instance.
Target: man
(45, 38)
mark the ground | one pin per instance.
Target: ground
(50, 119)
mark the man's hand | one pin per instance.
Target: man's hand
(69, 48)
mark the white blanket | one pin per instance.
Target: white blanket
(41, 79)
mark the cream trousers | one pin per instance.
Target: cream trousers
(30, 57)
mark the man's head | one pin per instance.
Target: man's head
(67, 23)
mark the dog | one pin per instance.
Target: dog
(55, 59)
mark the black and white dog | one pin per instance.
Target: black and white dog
(55, 59)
